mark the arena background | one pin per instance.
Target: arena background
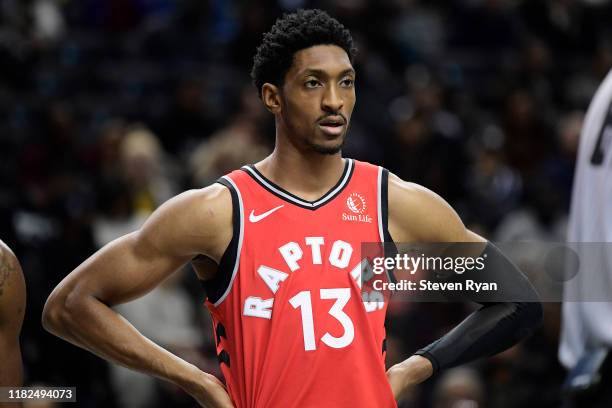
(110, 107)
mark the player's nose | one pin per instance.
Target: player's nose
(332, 100)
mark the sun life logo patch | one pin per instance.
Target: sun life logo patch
(357, 206)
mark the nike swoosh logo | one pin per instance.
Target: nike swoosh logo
(257, 218)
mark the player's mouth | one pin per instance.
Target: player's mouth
(332, 125)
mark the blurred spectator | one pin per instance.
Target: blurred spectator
(493, 186)
(240, 142)
(527, 137)
(49, 25)
(139, 179)
(460, 388)
(583, 84)
(428, 145)
(186, 120)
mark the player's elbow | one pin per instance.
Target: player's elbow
(60, 310)
(53, 313)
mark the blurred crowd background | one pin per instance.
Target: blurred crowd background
(110, 107)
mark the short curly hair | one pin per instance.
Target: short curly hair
(291, 33)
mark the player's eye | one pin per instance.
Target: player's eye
(312, 83)
(347, 82)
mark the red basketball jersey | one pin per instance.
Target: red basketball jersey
(291, 326)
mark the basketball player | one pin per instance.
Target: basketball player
(276, 245)
(12, 310)
(586, 327)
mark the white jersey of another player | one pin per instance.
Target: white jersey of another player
(588, 324)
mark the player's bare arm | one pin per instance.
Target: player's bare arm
(79, 310)
(12, 310)
(416, 214)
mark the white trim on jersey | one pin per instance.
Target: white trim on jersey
(239, 249)
(296, 200)
(379, 204)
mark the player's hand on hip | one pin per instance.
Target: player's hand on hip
(209, 392)
(405, 375)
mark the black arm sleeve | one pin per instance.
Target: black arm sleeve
(497, 325)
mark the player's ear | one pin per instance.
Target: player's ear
(270, 95)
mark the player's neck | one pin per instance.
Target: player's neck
(308, 176)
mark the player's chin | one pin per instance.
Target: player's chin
(328, 147)
(327, 143)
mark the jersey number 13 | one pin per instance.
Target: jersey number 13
(303, 301)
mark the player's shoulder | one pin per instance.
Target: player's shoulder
(12, 288)
(8, 262)
(194, 201)
(194, 221)
(405, 194)
(5, 249)
(203, 207)
(411, 194)
(416, 213)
